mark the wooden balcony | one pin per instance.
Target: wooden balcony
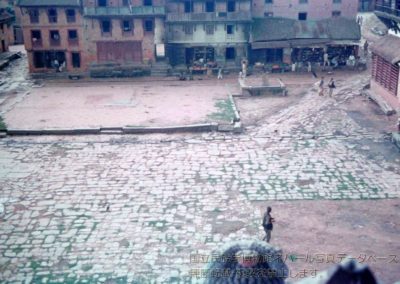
(124, 11)
(241, 16)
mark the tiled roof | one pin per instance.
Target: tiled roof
(29, 3)
(388, 47)
(282, 29)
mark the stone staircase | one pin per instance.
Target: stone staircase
(160, 69)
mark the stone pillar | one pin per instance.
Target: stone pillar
(159, 32)
(159, 37)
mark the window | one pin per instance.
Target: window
(210, 29)
(148, 25)
(73, 37)
(127, 26)
(70, 15)
(302, 16)
(76, 60)
(268, 14)
(147, 2)
(231, 6)
(54, 38)
(210, 7)
(34, 16)
(52, 14)
(230, 53)
(337, 1)
(269, 1)
(303, 1)
(188, 29)
(229, 29)
(125, 3)
(36, 38)
(102, 3)
(336, 13)
(188, 7)
(106, 27)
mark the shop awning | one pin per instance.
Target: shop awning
(281, 32)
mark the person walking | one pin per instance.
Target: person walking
(321, 87)
(267, 224)
(366, 48)
(326, 59)
(331, 86)
(219, 73)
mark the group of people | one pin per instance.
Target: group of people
(331, 86)
(57, 66)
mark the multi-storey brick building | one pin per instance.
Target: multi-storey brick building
(305, 9)
(385, 80)
(5, 30)
(208, 31)
(123, 35)
(53, 33)
(389, 12)
(124, 31)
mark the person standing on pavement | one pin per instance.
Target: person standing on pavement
(267, 224)
(219, 73)
(366, 48)
(321, 87)
(326, 59)
(331, 86)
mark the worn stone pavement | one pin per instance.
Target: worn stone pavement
(169, 196)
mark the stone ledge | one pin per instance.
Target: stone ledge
(206, 127)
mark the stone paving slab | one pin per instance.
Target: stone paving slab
(120, 104)
(92, 208)
(165, 200)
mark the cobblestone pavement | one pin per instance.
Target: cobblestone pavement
(134, 208)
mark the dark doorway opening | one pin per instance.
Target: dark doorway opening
(274, 55)
(76, 60)
(230, 53)
(47, 59)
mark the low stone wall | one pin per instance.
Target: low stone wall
(119, 71)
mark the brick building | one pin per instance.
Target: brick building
(385, 80)
(208, 31)
(124, 32)
(305, 9)
(5, 29)
(275, 40)
(53, 33)
(125, 37)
